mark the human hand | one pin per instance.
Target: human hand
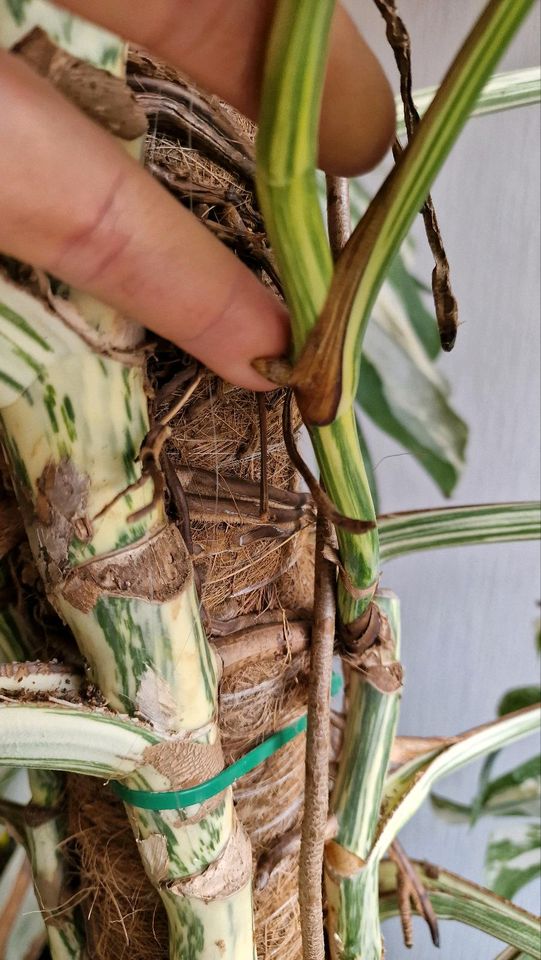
(73, 203)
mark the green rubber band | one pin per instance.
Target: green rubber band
(178, 799)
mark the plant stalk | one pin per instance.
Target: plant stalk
(316, 790)
(44, 836)
(325, 352)
(76, 433)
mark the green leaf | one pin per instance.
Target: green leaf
(411, 530)
(514, 858)
(408, 786)
(518, 698)
(402, 294)
(409, 290)
(515, 793)
(404, 394)
(484, 778)
(412, 293)
(450, 810)
(513, 700)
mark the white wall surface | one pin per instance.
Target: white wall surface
(468, 614)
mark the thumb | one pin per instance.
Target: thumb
(74, 204)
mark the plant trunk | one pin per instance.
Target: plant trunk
(118, 573)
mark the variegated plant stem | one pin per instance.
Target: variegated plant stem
(43, 833)
(45, 844)
(74, 416)
(288, 193)
(352, 891)
(329, 313)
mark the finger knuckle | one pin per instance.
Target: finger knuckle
(97, 243)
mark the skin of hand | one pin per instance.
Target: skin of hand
(73, 203)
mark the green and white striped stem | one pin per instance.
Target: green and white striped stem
(351, 880)
(352, 906)
(411, 531)
(454, 898)
(43, 836)
(74, 739)
(101, 744)
(44, 843)
(73, 411)
(326, 350)
(288, 192)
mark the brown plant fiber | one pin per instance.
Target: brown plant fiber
(253, 566)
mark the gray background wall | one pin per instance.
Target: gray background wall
(468, 614)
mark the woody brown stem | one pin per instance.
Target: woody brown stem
(410, 890)
(316, 800)
(338, 215)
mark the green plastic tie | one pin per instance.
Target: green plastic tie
(178, 799)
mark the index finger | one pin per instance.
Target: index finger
(221, 44)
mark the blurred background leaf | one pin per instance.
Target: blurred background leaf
(400, 388)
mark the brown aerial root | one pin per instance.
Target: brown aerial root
(262, 642)
(444, 300)
(318, 750)
(410, 891)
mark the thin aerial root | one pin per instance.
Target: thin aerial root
(410, 890)
(316, 791)
(444, 300)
